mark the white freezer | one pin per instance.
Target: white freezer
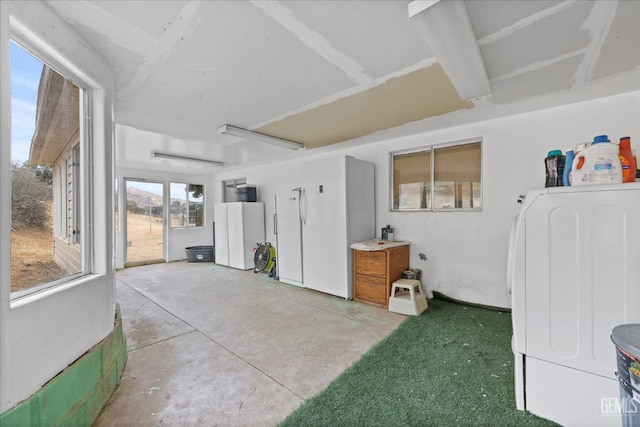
(574, 274)
(339, 209)
(336, 207)
(288, 230)
(239, 227)
(221, 234)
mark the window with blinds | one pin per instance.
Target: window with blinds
(439, 177)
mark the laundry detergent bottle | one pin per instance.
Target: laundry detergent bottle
(554, 166)
(568, 164)
(627, 160)
(597, 164)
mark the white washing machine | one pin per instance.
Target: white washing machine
(574, 274)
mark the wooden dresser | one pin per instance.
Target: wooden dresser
(375, 271)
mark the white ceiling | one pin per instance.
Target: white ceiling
(183, 68)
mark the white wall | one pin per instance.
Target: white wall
(176, 239)
(467, 251)
(43, 333)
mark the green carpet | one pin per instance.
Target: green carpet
(451, 366)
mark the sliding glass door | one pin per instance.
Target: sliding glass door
(145, 222)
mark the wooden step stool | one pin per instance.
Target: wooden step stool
(410, 300)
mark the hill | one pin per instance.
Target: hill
(143, 198)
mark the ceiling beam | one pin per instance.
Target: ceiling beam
(528, 21)
(447, 29)
(313, 40)
(189, 17)
(417, 6)
(598, 24)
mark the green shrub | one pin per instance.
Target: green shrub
(30, 192)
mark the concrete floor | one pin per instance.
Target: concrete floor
(211, 345)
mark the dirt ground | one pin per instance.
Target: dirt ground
(32, 258)
(144, 238)
(32, 251)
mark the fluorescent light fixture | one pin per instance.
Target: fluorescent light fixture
(418, 6)
(256, 136)
(446, 27)
(159, 155)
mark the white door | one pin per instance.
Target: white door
(221, 233)
(145, 222)
(239, 228)
(325, 230)
(236, 227)
(289, 237)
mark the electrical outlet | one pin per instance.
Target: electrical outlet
(321, 189)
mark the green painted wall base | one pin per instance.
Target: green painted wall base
(76, 395)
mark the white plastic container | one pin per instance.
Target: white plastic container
(597, 164)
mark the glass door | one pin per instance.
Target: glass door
(145, 222)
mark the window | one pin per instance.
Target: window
(229, 189)
(46, 176)
(187, 205)
(443, 177)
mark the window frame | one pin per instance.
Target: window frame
(187, 201)
(76, 202)
(83, 152)
(431, 149)
(116, 206)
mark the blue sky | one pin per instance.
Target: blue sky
(25, 77)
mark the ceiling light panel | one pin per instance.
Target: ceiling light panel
(260, 137)
(160, 155)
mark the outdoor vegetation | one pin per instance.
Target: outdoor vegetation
(32, 242)
(30, 196)
(145, 218)
(31, 227)
(186, 209)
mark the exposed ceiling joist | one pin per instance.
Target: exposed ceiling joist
(447, 29)
(324, 72)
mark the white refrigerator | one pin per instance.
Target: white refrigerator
(574, 274)
(239, 227)
(316, 222)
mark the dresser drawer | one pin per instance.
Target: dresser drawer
(371, 263)
(371, 289)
